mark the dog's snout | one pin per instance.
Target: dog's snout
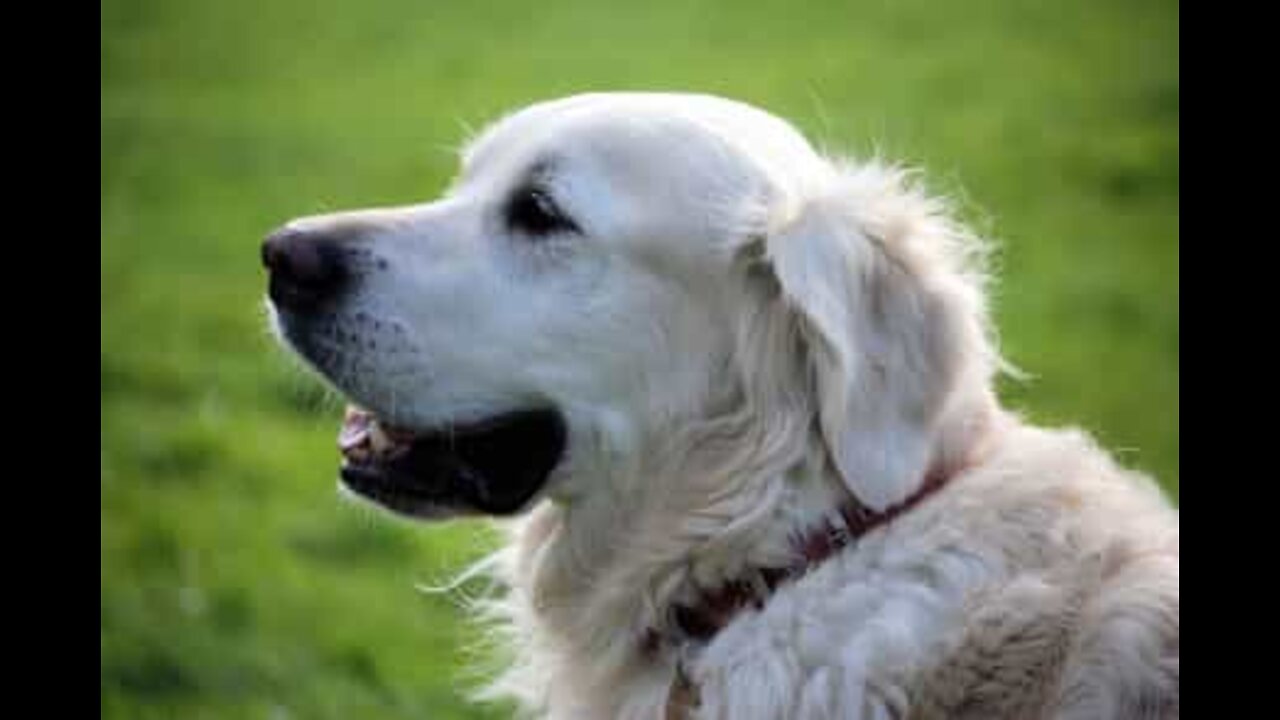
(306, 268)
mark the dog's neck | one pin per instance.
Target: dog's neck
(716, 607)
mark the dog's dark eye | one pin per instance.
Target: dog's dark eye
(533, 212)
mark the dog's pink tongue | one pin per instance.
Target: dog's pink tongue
(357, 425)
(363, 438)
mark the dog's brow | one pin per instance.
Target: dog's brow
(541, 169)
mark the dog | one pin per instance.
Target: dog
(733, 402)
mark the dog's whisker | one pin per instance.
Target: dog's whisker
(475, 570)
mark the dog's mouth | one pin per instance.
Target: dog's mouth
(494, 466)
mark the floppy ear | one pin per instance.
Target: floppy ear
(871, 272)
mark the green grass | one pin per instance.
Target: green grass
(234, 582)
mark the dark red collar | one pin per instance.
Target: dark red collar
(715, 609)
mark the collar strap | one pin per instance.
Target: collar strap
(715, 609)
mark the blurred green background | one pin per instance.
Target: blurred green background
(235, 583)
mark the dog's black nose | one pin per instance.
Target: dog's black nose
(306, 268)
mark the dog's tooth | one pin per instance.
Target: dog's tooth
(356, 414)
(355, 429)
(379, 440)
(351, 437)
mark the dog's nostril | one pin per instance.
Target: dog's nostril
(306, 268)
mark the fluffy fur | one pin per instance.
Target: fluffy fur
(744, 333)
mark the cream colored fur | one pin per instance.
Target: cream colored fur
(745, 333)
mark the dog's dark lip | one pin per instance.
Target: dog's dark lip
(494, 466)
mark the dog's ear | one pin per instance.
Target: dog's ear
(874, 273)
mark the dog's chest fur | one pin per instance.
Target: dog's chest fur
(990, 601)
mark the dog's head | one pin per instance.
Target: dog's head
(608, 268)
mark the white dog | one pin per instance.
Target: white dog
(738, 399)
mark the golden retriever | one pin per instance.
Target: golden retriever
(735, 401)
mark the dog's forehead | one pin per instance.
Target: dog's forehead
(629, 129)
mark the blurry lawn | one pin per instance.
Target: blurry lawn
(234, 582)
